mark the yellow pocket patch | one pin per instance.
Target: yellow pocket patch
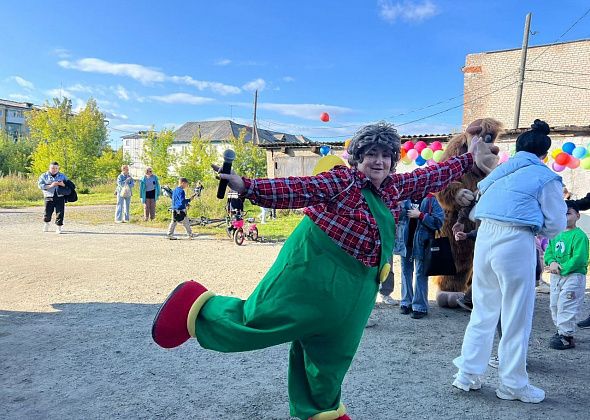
(385, 270)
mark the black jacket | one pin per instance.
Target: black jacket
(583, 203)
(68, 192)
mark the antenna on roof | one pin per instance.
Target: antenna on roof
(255, 139)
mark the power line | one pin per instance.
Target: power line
(559, 72)
(558, 84)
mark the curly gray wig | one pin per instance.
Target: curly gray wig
(381, 134)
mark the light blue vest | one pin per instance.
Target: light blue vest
(510, 192)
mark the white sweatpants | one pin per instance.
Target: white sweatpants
(503, 283)
(565, 301)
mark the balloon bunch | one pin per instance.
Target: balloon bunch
(421, 153)
(570, 156)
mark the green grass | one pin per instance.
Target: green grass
(22, 191)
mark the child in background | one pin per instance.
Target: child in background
(179, 209)
(567, 258)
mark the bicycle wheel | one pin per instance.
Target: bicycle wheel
(254, 234)
(239, 236)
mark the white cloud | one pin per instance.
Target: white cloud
(182, 98)
(121, 92)
(288, 79)
(305, 111)
(22, 82)
(60, 93)
(132, 127)
(409, 11)
(258, 84)
(144, 75)
(223, 62)
(19, 97)
(61, 52)
(78, 87)
(114, 116)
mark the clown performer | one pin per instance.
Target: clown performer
(319, 292)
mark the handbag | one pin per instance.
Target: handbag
(441, 261)
(125, 191)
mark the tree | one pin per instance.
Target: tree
(195, 162)
(15, 155)
(156, 153)
(75, 141)
(108, 165)
(250, 159)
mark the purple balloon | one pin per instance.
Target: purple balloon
(557, 167)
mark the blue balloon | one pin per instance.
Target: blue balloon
(324, 150)
(420, 161)
(568, 147)
(579, 152)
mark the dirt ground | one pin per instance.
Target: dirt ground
(76, 312)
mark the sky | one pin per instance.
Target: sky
(162, 64)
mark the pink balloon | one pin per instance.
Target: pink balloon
(573, 163)
(503, 157)
(557, 167)
(412, 154)
(436, 145)
(420, 146)
(345, 155)
(431, 162)
(407, 146)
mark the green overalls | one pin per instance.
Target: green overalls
(314, 295)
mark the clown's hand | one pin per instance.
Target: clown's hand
(464, 197)
(458, 227)
(485, 155)
(235, 181)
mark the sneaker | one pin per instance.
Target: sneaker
(528, 394)
(193, 236)
(494, 361)
(405, 310)
(386, 300)
(418, 314)
(467, 381)
(46, 227)
(543, 287)
(465, 304)
(371, 322)
(585, 323)
(171, 237)
(561, 342)
(118, 221)
(58, 229)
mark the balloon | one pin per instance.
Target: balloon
(345, 155)
(326, 163)
(562, 159)
(585, 163)
(407, 146)
(324, 150)
(403, 153)
(503, 157)
(568, 147)
(512, 150)
(438, 155)
(544, 243)
(420, 146)
(573, 163)
(420, 161)
(579, 152)
(555, 152)
(436, 145)
(347, 143)
(430, 162)
(412, 154)
(557, 167)
(427, 153)
(406, 161)
(325, 117)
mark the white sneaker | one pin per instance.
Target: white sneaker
(118, 221)
(58, 229)
(46, 227)
(386, 299)
(528, 394)
(171, 237)
(371, 322)
(467, 381)
(494, 362)
(543, 287)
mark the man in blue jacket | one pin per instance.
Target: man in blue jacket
(179, 208)
(49, 182)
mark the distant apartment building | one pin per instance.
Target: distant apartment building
(556, 87)
(12, 117)
(216, 132)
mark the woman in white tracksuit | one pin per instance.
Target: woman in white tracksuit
(520, 198)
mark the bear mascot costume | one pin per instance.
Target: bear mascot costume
(460, 194)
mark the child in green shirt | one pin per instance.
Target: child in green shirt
(567, 261)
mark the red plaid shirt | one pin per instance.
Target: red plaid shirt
(334, 202)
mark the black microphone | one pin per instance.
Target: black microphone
(228, 157)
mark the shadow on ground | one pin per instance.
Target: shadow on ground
(97, 360)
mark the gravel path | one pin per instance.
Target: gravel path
(76, 312)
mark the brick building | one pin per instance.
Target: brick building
(556, 88)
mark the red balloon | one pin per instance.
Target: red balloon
(573, 163)
(562, 159)
(408, 145)
(420, 146)
(325, 117)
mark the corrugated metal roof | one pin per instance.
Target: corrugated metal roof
(24, 105)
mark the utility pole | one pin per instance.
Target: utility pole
(525, 44)
(255, 139)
